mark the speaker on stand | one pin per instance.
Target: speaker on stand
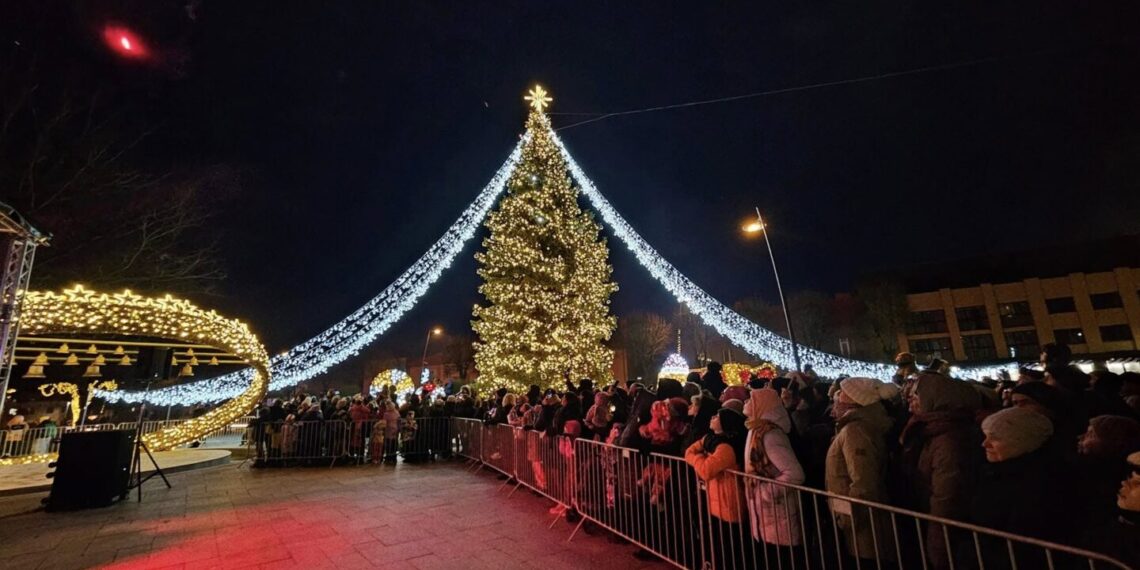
(93, 469)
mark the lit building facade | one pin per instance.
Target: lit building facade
(1094, 313)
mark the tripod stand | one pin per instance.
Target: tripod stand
(136, 478)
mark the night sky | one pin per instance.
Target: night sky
(364, 128)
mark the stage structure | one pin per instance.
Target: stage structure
(18, 245)
(82, 317)
(359, 329)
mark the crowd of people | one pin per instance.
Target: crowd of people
(1053, 454)
(311, 429)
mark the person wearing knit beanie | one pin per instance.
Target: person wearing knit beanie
(867, 391)
(1014, 432)
(1111, 437)
(735, 405)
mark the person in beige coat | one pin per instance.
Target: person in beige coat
(856, 466)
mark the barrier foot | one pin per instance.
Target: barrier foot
(556, 518)
(577, 528)
(517, 485)
(505, 483)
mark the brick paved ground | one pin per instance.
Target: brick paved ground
(435, 516)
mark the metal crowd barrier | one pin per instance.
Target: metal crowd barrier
(329, 442)
(659, 504)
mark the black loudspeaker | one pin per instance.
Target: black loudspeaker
(93, 469)
(153, 364)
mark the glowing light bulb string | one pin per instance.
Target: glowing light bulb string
(362, 327)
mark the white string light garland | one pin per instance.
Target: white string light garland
(356, 331)
(362, 327)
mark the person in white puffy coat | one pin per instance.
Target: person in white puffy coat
(774, 510)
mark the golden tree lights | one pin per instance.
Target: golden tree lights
(546, 276)
(83, 311)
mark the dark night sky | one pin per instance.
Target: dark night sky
(365, 128)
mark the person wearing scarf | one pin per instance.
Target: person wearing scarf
(941, 446)
(712, 459)
(774, 510)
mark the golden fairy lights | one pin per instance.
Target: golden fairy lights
(546, 276)
(81, 310)
(69, 389)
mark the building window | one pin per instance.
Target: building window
(1106, 300)
(927, 322)
(979, 347)
(972, 319)
(1116, 333)
(1061, 305)
(1069, 336)
(1023, 344)
(1015, 314)
(926, 348)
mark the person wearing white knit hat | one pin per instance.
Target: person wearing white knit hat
(867, 391)
(1014, 432)
(1020, 489)
(857, 462)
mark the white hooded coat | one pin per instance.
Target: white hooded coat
(774, 510)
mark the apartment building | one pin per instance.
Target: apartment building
(1097, 314)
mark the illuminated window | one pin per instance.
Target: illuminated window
(1015, 314)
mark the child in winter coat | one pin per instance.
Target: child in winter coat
(391, 418)
(664, 431)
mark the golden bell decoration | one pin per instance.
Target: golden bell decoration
(193, 361)
(174, 361)
(125, 361)
(100, 360)
(35, 371)
(189, 352)
(72, 360)
(92, 371)
(63, 349)
(213, 361)
(92, 350)
(186, 371)
(119, 351)
(41, 360)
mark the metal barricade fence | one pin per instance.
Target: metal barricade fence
(739, 521)
(649, 499)
(337, 441)
(468, 438)
(792, 526)
(499, 448)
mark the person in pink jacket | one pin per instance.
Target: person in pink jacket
(773, 510)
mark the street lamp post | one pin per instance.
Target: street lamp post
(758, 226)
(423, 361)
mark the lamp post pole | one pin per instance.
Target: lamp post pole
(779, 289)
(427, 341)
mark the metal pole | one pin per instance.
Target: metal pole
(423, 360)
(780, 290)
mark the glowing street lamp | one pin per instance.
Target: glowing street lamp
(758, 226)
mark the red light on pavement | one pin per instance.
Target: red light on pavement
(124, 42)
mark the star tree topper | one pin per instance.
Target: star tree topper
(539, 98)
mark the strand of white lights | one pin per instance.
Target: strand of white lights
(751, 337)
(354, 332)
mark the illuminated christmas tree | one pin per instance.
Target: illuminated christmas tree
(546, 276)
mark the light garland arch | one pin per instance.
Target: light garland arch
(83, 311)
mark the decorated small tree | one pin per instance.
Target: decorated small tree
(546, 276)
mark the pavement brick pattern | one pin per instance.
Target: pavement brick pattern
(407, 516)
